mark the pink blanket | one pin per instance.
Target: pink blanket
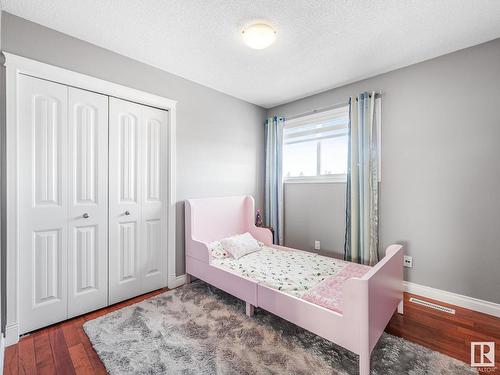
(328, 293)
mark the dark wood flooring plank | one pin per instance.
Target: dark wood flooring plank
(11, 360)
(43, 353)
(80, 360)
(70, 334)
(62, 359)
(27, 361)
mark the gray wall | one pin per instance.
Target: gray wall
(440, 191)
(220, 139)
(315, 212)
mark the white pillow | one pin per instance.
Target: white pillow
(216, 250)
(240, 245)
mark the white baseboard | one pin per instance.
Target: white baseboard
(485, 307)
(2, 351)
(11, 334)
(400, 307)
(175, 281)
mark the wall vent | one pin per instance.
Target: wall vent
(432, 305)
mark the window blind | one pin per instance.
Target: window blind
(335, 124)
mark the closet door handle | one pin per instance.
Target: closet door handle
(127, 213)
(85, 215)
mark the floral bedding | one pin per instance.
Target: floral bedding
(291, 271)
(328, 293)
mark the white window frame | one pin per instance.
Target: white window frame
(304, 120)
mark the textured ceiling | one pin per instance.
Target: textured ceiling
(321, 43)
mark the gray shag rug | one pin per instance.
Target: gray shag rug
(198, 329)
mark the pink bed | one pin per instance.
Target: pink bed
(350, 309)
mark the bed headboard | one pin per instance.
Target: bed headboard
(211, 219)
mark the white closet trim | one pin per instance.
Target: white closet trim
(18, 65)
(23, 65)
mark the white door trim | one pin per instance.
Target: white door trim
(2, 351)
(18, 65)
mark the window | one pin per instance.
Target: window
(315, 147)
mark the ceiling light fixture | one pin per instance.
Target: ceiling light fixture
(259, 36)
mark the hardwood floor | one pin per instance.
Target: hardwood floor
(446, 333)
(62, 348)
(65, 349)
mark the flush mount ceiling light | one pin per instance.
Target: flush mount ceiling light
(259, 36)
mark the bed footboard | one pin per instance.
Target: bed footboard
(372, 300)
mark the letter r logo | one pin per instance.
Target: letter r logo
(482, 354)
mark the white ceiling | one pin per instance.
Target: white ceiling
(321, 43)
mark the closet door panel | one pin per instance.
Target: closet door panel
(124, 199)
(88, 201)
(154, 156)
(43, 203)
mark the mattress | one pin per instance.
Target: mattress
(315, 278)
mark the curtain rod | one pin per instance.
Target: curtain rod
(379, 94)
(323, 109)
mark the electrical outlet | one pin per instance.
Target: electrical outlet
(408, 261)
(317, 245)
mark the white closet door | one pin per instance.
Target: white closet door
(124, 200)
(137, 190)
(88, 201)
(154, 224)
(43, 203)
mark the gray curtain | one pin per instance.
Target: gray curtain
(273, 199)
(363, 176)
